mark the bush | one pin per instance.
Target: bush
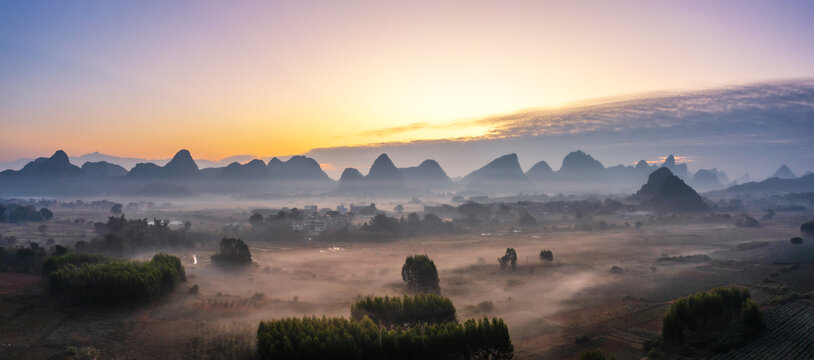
(796, 240)
(233, 251)
(113, 282)
(546, 255)
(57, 262)
(423, 308)
(420, 274)
(338, 338)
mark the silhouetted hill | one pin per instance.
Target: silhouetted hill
(103, 169)
(351, 181)
(679, 170)
(255, 169)
(578, 164)
(298, 168)
(426, 176)
(383, 169)
(182, 166)
(502, 175)
(665, 192)
(774, 185)
(706, 180)
(56, 166)
(540, 171)
(784, 173)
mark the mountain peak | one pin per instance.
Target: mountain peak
(60, 156)
(642, 164)
(670, 161)
(384, 169)
(580, 162)
(783, 172)
(540, 170)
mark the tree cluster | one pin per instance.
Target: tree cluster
(120, 235)
(412, 225)
(509, 259)
(233, 252)
(112, 282)
(705, 313)
(399, 311)
(15, 213)
(807, 228)
(420, 274)
(339, 338)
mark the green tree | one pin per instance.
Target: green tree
(420, 274)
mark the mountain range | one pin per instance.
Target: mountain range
(300, 174)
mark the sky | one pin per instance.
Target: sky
(274, 78)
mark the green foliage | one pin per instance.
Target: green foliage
(19, 213)
(420, 274)
(595, 354)
(710, 311)
(233, 251)
(338, 338)
(423, 308)
(113, 282)
(57, 262)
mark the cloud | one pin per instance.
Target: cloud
(750, 128)
(420, 126)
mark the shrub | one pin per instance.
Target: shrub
(796, 240)
(420, 274)
(546, 255)
(338, 338)
(423, 308)
(233, 251)
(113, 282)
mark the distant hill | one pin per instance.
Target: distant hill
(56, 166)
(540, 171)
(297, 168)
(182, 166)
(783, 172)
(426, 176)
(679, 170)
(255, 169)
(665, 192)
(578, 165)
(351, 181)
(383, 170)
(501, 175)
(103, 169)
(706, 180)
(774, 185)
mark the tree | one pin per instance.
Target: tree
(807, 228)
(420, 274)
(256, 220)
(233, 251)
(510, 258)
(187, 225)
(116, 209)
(399, 208)
(546, 255)
(46, 214)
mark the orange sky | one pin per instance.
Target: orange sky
(280, 78)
